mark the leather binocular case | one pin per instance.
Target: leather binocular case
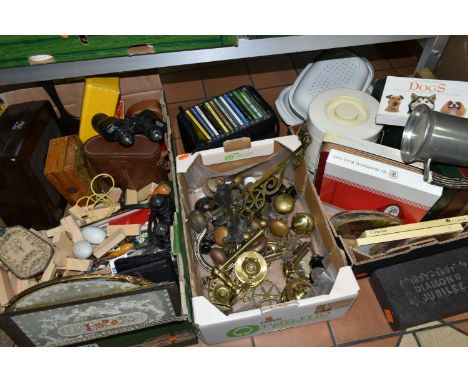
(131, 167)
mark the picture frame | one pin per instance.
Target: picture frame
(81, 322)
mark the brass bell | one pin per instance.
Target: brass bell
(278, 228)
(284, 204)
(302, 223)
(250, 268)
(219, 234)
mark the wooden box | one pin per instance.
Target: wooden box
(66, 168)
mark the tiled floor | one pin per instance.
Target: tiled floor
(365, 324)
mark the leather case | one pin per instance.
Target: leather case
(131, 167)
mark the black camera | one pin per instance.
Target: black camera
(123, 130)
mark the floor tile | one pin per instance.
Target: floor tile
(422, 326)
(301, 60)
(272, 71)
(400, 62)
(382, 64)
(461, 316)
(308, 335)
(444, 336)
(244, 342)
(220, 79)
(383, 342)
(463, 326)
(408, 71)
(173, 110)
(182, 86)
(408, 340)
(270, 95)
(365, 319)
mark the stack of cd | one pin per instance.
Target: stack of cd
(233, 114)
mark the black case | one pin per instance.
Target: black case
(26, 197)
(423, 290)
(263, 129)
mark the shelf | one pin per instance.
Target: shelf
(246, 48)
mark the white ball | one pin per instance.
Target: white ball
(93, 235)
(82, 249)
(249, 179)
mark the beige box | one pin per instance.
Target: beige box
(215, 326)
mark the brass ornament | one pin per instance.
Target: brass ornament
(269, 184)
(284, 204)
(219, 294)
(266, 293)
(211, 185)
(302, 223)
(295, 289)
(290, 266)
(250, 268)
(278, 228)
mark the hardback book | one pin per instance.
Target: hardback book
(401, 95)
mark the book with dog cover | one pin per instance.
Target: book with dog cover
(401, 95)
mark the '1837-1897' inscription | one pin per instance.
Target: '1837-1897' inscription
(437, 284)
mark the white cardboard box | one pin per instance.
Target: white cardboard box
(402, 94)
(214, 326)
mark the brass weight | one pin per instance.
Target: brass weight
(284, 204)
(278, 228)
(302, 223)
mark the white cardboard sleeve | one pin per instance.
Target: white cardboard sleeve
(213, 325)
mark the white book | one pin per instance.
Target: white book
(402, 94)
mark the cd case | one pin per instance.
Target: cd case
(241, 112)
